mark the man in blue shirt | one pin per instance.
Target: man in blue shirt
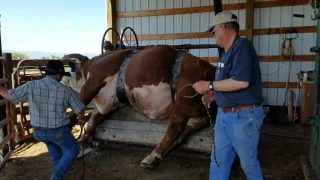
(48, 101)
(237, 91)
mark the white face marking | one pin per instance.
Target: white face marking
(154, 101)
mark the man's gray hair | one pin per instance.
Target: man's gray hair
(233, 25)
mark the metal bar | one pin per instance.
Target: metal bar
(4, 122)
(5, 159)
(0, 39)
(183, 46)
(3, 80)
(5, 140)
(217, 9)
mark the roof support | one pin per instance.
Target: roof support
(249, 20)
(111, 20)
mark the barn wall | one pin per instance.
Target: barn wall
(266, 45)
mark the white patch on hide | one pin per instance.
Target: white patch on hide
(151, 158)
(153, 101)
(106, 100)
(192, 121)
(76, 85)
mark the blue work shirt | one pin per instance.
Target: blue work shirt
(239, 63)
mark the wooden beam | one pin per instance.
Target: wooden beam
(111, 19)
(201, 9)
(249, 20)
(279, 84)
(270, 58)
(267, 31)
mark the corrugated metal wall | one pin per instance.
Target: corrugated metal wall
(265, 45)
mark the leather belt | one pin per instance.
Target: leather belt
(239, 108)
(44, 128)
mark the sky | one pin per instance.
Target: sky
(71, 26)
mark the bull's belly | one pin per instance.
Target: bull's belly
(153, 101)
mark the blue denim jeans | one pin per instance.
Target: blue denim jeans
(237, 132)
(63, 149)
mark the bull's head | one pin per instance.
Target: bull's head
(76, 63)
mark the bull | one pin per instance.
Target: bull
(150, 81)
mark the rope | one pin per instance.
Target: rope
(211, 123)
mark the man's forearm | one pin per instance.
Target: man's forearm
(229, 85)
(4, 92)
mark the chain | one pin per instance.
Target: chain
(210, 119)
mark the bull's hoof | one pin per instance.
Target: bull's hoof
(85, 139)
(150, 162)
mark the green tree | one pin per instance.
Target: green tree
(44, 57)
(55, 57)
(19, 56)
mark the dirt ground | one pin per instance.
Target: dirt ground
(279, 158)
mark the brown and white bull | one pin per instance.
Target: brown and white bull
(149, 80)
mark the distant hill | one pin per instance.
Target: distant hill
(39, 54)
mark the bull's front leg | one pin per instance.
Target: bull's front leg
(176, 125)
(95, 120)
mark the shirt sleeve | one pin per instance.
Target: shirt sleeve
(19, 94)
(75, 103)
(242, 62)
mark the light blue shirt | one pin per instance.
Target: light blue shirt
(48, 101)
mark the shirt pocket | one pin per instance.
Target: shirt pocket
(220, 74)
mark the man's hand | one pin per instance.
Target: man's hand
(207, 98)
(201, 86)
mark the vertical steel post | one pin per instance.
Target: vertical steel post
(0, 38)
(217, 9)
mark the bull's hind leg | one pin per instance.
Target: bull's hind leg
(176, 126)
(95, 120)
(193, 125)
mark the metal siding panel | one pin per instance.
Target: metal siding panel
(264, 71)
(177, 41)
(152, 4)
(169, 4)
(275, 20)
(286, 16)
(295, 69)
(308, 11)
(213, 52)
(129, 22)
(186, 3)
(169, 24)
(144, 5)
(307, 42)
(283, 72)
(204, 22)
(272, 96)
(122, 25)
(281, 96)
(297, 44)
(264, 45)
(195, 25)
(186, 41)
(161, 24)
(161, 42)
(145, 43)
(153, 25)
(145, 25)
(296, 21)
(264, 18)
(137, 5)
(118, 7)
(169, 42)
(177, 3)
(137, 25)
(204, 52)
(307, 66)
(153, 42)
(186, 25)
(195, 3)
(205, 2)
(256, 42)
(177, 19)
(273, 69)
(122, 5)
(195, 52)
(274, 44)
(242, 19)
(256, 18)
(161, 4)
(129, 5)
